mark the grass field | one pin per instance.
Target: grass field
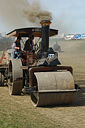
(18, 111)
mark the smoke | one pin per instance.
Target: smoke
(21, 13)
(34, 12)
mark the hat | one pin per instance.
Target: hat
(19, 37)
(31, 36)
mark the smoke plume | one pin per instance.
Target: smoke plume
(22, 13)
(34, 12)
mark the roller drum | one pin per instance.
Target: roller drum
(54, 88)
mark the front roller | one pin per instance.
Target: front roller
(54, 88)
(15, 77)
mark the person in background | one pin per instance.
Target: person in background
(16, 48)
(29, 44)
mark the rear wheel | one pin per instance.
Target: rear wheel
(15, 77)
(1, 79)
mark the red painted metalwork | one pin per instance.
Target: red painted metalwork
(46, 69)
(30, 59)
(3, 57)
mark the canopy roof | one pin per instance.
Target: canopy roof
(26, 32)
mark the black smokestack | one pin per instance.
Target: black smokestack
(45, 34)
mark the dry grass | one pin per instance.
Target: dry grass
(18, 111)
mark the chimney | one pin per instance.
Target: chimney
(45, 34)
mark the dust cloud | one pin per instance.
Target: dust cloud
(22, 13)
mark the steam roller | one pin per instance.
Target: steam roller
(39, 72)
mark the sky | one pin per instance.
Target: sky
(68, 16)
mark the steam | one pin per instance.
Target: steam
(21, 13)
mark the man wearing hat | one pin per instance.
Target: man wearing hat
(29, 43)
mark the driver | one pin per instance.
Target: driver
(29, 44)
